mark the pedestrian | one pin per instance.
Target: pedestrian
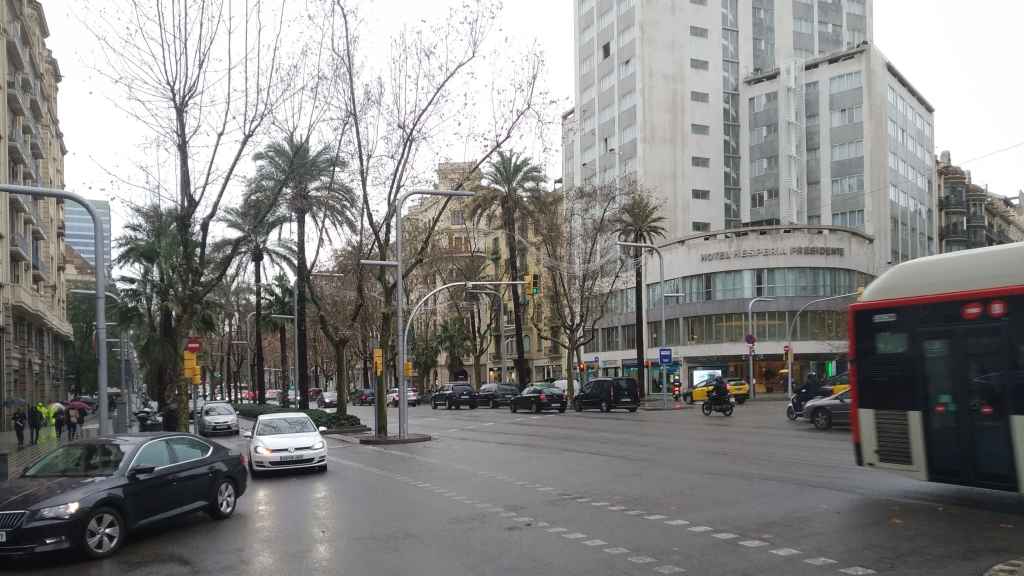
(73, 420)
(58, 424)
(35, 422)
(19, 427)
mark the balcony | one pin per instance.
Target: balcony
(61, 229)
(14, 101)
(40, 269)
(19, 247)
(38, 232)
(35, 101)
(19, 202)
(953, 232)
(16, 147)
(975, 220)
(952, 203)
(15, 51)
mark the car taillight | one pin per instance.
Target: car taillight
(241, 458)
(543, 398)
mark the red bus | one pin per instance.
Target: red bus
(937, 369)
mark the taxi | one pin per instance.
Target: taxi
(738, 388)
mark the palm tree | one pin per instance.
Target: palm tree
(510, 178)
(256, 219)
(638, 221)
(280, 302)
(307, 183)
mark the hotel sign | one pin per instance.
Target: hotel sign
(759, 252)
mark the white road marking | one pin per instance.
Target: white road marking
(669, 569)
(542, 524)
(522, 519)
(820, 561)
(507, 514)
(483, 505)
(520, 483)
(574, 536)
(725, 536)
(676, 522)
(495, 509)
(467, 501)
(488, 423)
(600, 503)
(616, 508)
(655, 517)
(534, 417)
(453, 429)
(557, 530)
(595, 542)
(616, 550)
(545, 489)
(753, 543)
(583, 499)
(641, 559)
(532, 486)
(785, 552)
(636, 512)
(857, 570)
(700, 528)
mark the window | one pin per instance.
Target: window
(626, 68)
(606, 50)
(700, 129)
(626, 36)
(893, 98)
(813, 154)
(699, 96)
(585, 5)
(186, 449)
(607, 113)
(698, 64)
(894, 130)
(845, 82)
(586, 65)
(458, 218)
(606, 19)
(155, 453)
(607, 81)
(760, 134)
(698, 32)
(762, 102)
(845, 116)
(702, 226)
(589, 123)
(855, 7)
(852, 219)
(803, 25)
(700, 162)
(625, 5)
(848, 185)
(699, 2)
(700, 194)
(848, 150)
(763, 166)
(627, 100)
(757, 199)
(629, 133)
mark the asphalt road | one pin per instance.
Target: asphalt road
(589, 494)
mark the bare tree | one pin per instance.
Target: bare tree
(581, 266)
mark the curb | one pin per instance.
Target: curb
(390, 440)
(348, 430)
(1010, 568)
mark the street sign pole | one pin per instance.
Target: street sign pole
(664, 359)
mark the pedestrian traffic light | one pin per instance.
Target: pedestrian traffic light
(536, 285)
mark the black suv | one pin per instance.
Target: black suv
(454, 396)
(496, 395)
(608, 394)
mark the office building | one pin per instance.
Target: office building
(80, 231)
(972, 217)
(791, 159)
(34, 309)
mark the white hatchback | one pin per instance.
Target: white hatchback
(285, 441)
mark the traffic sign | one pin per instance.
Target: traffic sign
(193, 345)
(665, 355)
(751, 339)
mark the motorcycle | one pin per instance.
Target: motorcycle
(795, 408)
(713, 404)
(677, 392)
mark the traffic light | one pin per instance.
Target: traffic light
(528, 287)
(378, 361)
(536, 285)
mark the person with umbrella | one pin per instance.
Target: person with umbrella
(19, 426)
(58, 419)
(75, 417)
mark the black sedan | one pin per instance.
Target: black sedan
(89, 495)
(538, 398)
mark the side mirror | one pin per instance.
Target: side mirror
(141, 471)
(322, 429)
(247, 434)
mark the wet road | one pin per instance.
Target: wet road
(647, 493)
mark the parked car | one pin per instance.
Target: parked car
(327, 400)
(455, 395)
(314, 394)
(828, 412)
(367, 398)
(411, 395)
(539, 398)
(218, 418)
(91, 494)
(496, 395)
(738, 389)
(285, 441)
(607, 394)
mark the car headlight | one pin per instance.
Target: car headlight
(317, 446)
(263, 450)
(63, 511)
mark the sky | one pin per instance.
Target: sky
(960, 57)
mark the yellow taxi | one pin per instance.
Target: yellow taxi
(739, 389)
(837, 384)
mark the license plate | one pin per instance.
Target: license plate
(291, 457)
(3, 536)
(465, 396)
(221, 427)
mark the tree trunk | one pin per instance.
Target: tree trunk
(282, 335)
(522, 371)
(302, 362)
(570, 370)
(261, 388)
(638, 294)
(341, 379)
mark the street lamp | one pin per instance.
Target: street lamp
(789, 336)
(501, 325)
(661, 289)
(751, 340)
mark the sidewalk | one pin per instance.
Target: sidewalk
(13, 461)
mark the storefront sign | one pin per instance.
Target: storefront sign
(778, 251)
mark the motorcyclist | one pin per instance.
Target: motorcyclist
(720, 390)
(811, 389)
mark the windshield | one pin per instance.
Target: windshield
(79, 460)
(218, 410)
(275, 426)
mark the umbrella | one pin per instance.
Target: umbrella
(57, 407)
(14, 402)
(78, 405)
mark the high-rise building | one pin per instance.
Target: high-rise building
(34, 309)
(791, 159)
(972, 217)
(81, 234)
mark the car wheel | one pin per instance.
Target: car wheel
(790, 412)
(577, 406)
(433, 406)
(225, 499)
(513, 407)
(473, 406)
(536, 408)
(458, 406)
(561, 409)
(605, 407)
(322, 468)
(450, 405)
(494, 404)
(633, 409)
(822, 419)
(741, 399)
(103, 533)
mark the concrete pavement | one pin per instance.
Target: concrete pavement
(591, 493)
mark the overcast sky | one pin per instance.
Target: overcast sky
(960, 57)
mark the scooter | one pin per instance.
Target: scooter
(718, 404)
(795, 408)
(677, 392)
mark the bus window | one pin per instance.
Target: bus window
(891, 343)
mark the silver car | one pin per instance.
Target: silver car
(828, 412)
(218, 418)
(285, 441)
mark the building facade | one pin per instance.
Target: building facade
(792, 160)
(972, 217)
(33, 311)
(81, 234)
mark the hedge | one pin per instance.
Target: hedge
(319, 417)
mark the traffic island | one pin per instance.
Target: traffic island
(1011, 568)
(388, 440)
